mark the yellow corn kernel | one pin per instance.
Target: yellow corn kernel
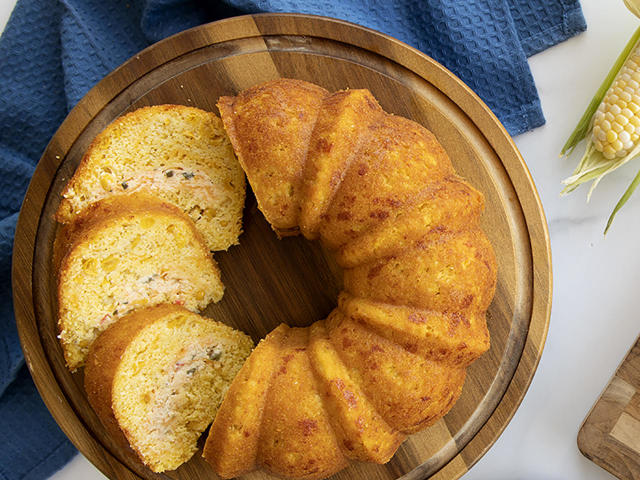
(209, 213)
(178, 237)
(135, 242)
(107, 180)
(608, 152)
(110, 263)
(617, 146)
(89, 264)
(622, 120)
(147, 222)
(180, 240)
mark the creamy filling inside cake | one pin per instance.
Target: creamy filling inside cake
(170, 384)
(146, 290)
(171, 397)
(139, 262)
(155, 180)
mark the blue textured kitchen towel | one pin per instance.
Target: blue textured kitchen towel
(53, 51)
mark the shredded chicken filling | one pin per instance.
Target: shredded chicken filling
(169, 400)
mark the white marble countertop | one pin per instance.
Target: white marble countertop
(594, 321)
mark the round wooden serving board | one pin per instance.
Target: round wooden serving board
(269, 281)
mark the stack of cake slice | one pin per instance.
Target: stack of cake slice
(156, 192)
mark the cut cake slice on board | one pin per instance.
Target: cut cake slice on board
(157, 377)
(124, 253)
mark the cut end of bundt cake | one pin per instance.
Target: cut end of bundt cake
(232, 445)
(270, 127)
(177, 153)
(122, 254)
(158, 377)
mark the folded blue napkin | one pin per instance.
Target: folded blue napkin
(53, 51)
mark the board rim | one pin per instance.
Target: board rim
(482, 117)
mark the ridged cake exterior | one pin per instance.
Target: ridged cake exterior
(378, 191)
(274, 158)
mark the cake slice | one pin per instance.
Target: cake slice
(362, 433)
(177, 153)
(156, 379)
(270, 126)
(124, 253)
(232, 443)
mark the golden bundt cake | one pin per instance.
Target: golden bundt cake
(380, 193)
(157, 377)
(177, 153)
(123, 253)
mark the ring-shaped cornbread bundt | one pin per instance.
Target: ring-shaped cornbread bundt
(378, 191)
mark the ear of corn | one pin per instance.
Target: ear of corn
(611, 125)
(584, 125)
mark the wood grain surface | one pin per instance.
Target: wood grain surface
(269, 281)
(610, 435)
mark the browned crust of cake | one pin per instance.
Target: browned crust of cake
(295, 423)
(232, 444)
(106, 211)
(410, 402)
(348, 408)
(105, 355)
(399, 160)
(341, 130)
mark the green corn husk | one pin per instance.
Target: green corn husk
(594, 166)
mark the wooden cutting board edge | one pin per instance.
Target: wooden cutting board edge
(591, 439)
